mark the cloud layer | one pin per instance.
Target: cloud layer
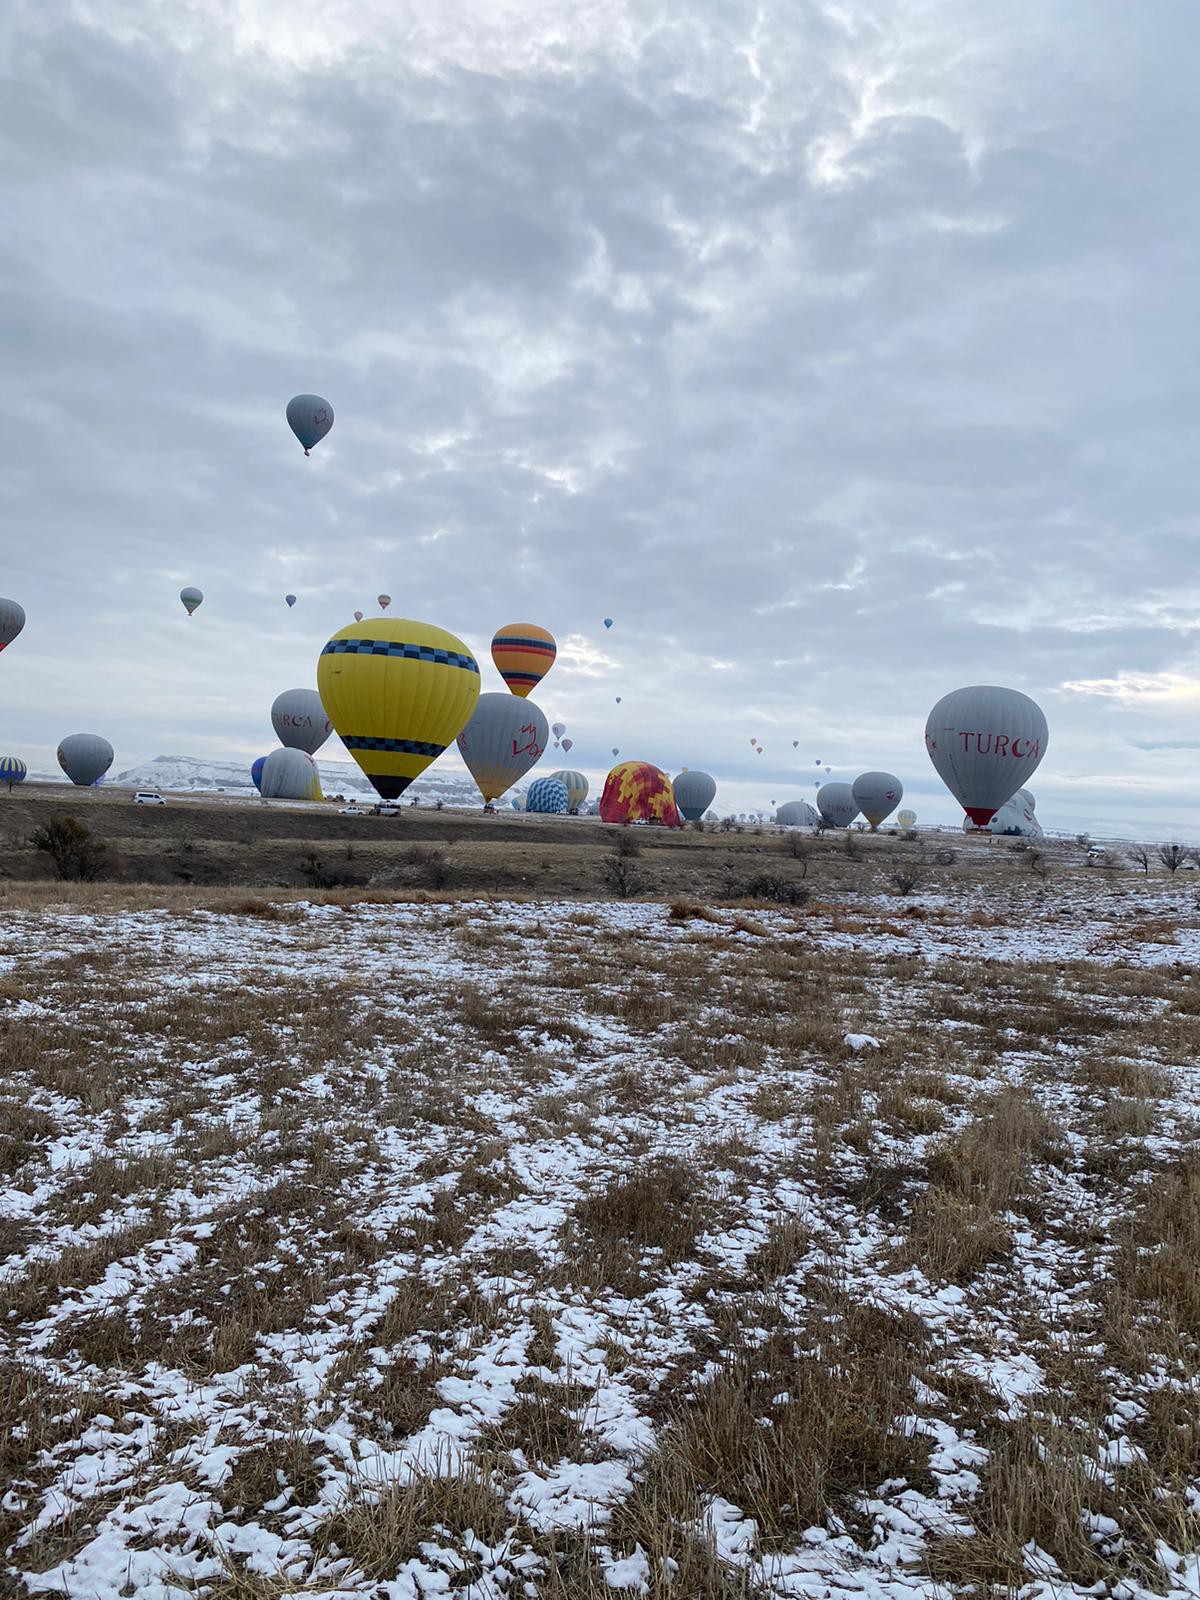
(841, 353)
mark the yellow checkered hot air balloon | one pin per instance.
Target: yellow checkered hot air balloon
(635, 791)
(524, 654)
(398, 692)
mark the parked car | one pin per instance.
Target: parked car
(351, 811)
(385, 809)
(145, 797)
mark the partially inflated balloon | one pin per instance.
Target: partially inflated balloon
(85, 758)
(299, 720)
(796, 814)
(256, 772)
(503, 739)
(290, 599)
(310, 419)
(576, 787)
(290, 774)
(694, 792)
(12, 620)
(398, 692)
(985, 742)
(12, 770)
(877, 794)
(383, 601)
(191, 599)
(836, 803)
(523, 653)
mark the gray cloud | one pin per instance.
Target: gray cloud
(852, 339)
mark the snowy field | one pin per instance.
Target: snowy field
(488, 1249)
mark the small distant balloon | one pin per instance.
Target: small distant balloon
(12, 620)
(828, 769)
(608, 622)
(795, 744)
(618, 699)
(567, 743)
(291, 600)
(615, 750)
(310, 419)
(384, 601)
(558, 729)
(191, 599)
(358, 616)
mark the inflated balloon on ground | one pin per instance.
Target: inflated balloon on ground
(256, 772)
(796, 814)
(636, 791)
(694, 793)
(877, 794)
(397, 692)
(548, 797)
(576, 786)
(503, 739)
(299, 720)
(12, 770)
(310, 419)
(984, 742)
(289, 774)
(837, 805)
(85, 758)
(906, 819)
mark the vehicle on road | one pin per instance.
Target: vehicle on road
(351, 811)
(145, 797)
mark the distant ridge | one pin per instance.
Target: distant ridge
(196, 776)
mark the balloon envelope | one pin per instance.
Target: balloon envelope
(796, 814)
(567, 743)
(358, 616)
(836, 803)
(523, 653)
(548, 796)
(576, 786)
(558, 729)
(984, 742)
(398, 692)
(503, 739)
(85, 758)
(694, 793)
(310, 418)
(635, 791)
(906, 819)
(608, 622)
(383, 601)
(299, 720)
(1016, 819)
(256, 772)
(191, 599)
(291, 600)
(12, 770)
(12, 620)
(877, 794)
(290, 774)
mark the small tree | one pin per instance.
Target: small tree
(621, 876)
(1172, 857)
(905, 880)
(1139, 854)
(76, 855)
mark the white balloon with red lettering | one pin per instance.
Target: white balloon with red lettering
(985, 742)
(299, 720)
(506, 735)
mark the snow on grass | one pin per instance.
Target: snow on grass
(498, 1249)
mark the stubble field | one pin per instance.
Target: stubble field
(396, 1242)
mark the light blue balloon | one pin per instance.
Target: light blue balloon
(548, 796)
(310, 419)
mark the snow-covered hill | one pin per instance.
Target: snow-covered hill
(197, 776)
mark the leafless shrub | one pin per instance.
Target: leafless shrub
(1139, 854)
(1172, 857)
(906, 880)
(429, 866)
(850, 847)
(621, 876)
(1038, 864)
(944, 858)
(628, 843)
(769, 887)
(800, 849)
(75, 854)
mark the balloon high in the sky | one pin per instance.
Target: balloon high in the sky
(383, 601)
(523, 653)
(877, 794)
(12, 620)
(567, 743)
(503, 739)
(984, 742)
(576, 786)
(694, 793)
(85, 758)
(558, 729)
(358, 616)
(191, 599)
(290, 774)
(290, 600)
(398, 692)
(310, 419)
(299, 720)
(836, 803)
(12, 770)
(608, 622)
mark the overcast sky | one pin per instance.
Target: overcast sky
(842, 353)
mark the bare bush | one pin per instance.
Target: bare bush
(1139, 854)
(1172, 857)
(75, 854)
(628, 843)
(906, 880)
(430, 867)
(944, 858)
(777, 891)
(621, 876)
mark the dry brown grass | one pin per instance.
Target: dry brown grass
(637, 1224)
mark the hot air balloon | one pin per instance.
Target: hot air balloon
(576, 786)
(753, 740)
(299, 720)
(796, 814)
(638, 792)
(828, 770)
(567, 743)
(795, 744)
(12, 770)
(608, 622)
(310, 419)
(524, 654)
(85, 758)
(984, 741)
(906, 820)
(398, 692)
(876, 795)
(558, 729)
(618, 699)
(383, 601)
(694, 793)
(358, 616)
(1026, 797)
(547, 796)
(256, 772)
(290, 600)
(12, 620)
(191, 599)
(503, 739)
(615, 751)
(290, 774)
(836, 803)
(518, 802)
(1016, 819)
